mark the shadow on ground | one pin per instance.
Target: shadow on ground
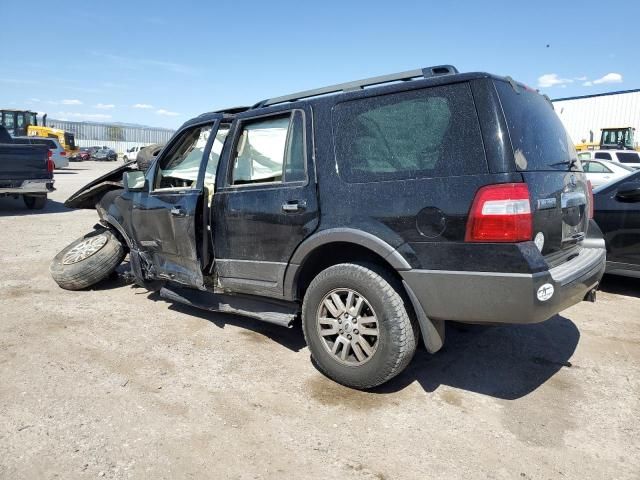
(15, 207)
(621, 285)
(506, 362)
(290, 338)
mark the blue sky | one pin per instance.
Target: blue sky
(160, 63)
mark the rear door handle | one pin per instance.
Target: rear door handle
(294, 206)
(178, 212)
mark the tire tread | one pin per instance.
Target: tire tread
(404, 328)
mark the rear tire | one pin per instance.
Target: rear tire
(87, 261)
(366, 292)
(35, 202)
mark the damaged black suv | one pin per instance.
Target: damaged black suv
(376, 209)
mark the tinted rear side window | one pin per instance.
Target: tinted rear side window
(432, 132)
(628, 157)
(539, 140)
(602, 156)
(49, 143)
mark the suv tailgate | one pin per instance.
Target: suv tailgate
(23, 162)
(545, 156)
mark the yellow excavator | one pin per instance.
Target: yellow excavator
(611, 138)
(20, 123)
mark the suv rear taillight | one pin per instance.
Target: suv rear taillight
(63, 153)
(590, 188)
(50, 164)
(500, 213)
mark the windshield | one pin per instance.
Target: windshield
(618, 137)
(539, 140)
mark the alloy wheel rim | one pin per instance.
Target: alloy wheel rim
(348, 327)
(84, 250)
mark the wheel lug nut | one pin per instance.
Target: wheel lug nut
(340, 320)
(355, 320)
(341, 331)
(349, 336)
(356, 331)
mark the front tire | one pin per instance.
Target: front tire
(87, 261)
(35, 202)
(357, 325)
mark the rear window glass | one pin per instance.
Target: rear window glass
(432, 132)
(48, 143)
(539, 140)
(628, 157)
(603, 156)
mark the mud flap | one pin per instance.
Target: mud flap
(432, 330)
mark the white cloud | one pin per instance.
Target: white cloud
(580, 79)
(167, 113)
(587, 84)
(83, 116)
(551, 79)
(105, 106)
(35, 100)
(144, 106)
(609, 78)
(72, 101)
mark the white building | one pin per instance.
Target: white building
(583, 117)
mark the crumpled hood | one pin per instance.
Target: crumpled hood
(90, 194)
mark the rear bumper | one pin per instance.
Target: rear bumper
(41, 186)
(488, 297)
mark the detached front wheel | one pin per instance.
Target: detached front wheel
(87, 261)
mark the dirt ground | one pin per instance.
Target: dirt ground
(115, 382)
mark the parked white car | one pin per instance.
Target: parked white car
(600, 172)
(629, 158)
(58, 154)
(132, 153)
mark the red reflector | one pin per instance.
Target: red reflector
(50, 164)
(590, 187)
(63, 153)
(500, 213)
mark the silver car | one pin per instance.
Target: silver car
(58, 154)
(600, 172)
(628, 158)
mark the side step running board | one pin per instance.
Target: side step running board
(280, 313)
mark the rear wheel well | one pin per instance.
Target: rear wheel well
(334, 253)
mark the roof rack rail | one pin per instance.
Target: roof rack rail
(232, 110)
(427, 72)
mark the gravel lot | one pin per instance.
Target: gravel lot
(118, 383)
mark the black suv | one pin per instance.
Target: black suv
(377, 209)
